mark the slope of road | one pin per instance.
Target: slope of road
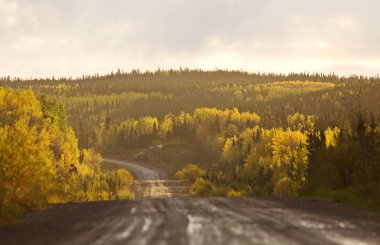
(139, 171)
(150, 182)
(196, 221)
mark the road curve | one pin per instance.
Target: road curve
(139, 171)
(150, 182)
(196, 221)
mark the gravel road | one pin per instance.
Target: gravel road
(140, 171)
(151, 182)
(162, 218)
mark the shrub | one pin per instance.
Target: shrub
(285, 188)
(233, 193)
(189, 174)
(202, 187)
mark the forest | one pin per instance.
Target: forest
(40, 160)
(225, 133)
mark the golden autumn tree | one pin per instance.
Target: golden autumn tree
(26, 170)
(290, 160)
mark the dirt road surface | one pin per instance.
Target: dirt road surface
(150, 182)
(161, 217)
(140, 171)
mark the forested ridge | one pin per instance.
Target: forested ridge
(120, 95)
(252, 134)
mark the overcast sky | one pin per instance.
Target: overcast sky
(72, 37)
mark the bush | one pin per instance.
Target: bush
(202, 187)
(233, 193)
(189, 174)
(285, 188)
(90, 184)
(125, 178)
(226, 191)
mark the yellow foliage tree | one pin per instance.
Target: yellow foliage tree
(290, 157)
(26, 171)
(332, 136)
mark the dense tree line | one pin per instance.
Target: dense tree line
(298, 160)
(119, 96)
(244, 157)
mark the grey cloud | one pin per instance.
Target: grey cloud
(71, 37)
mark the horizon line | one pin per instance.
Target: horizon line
(120, 71)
